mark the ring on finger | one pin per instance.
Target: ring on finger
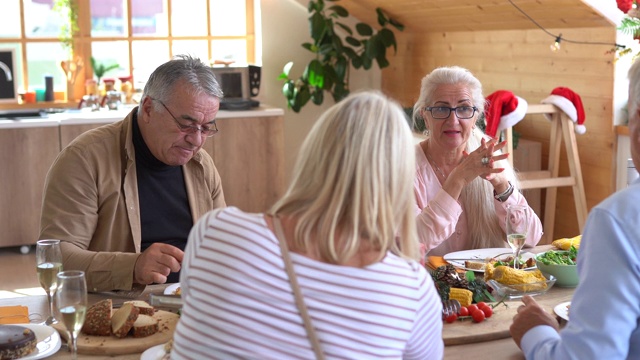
(485, 160)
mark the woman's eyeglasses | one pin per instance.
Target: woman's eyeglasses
(207, 130)
(443, 112)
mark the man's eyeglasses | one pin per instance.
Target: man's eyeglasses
(207, 130)
(443, 112)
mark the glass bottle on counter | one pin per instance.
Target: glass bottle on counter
(126, 87)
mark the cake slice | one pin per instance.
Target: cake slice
(143, 307)
(123, 319)
(16, 341)
(98, 319)
(144, 326)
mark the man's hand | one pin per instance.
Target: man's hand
(156, 263)
(530, 315)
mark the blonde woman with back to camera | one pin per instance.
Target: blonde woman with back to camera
(463, 183)
(348, 222)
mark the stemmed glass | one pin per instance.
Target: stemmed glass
(517, 222)
(49, 263)
(71, 302)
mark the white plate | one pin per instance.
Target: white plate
(562, 311)
(171, 289)
(48, 341)
(481, 254)
(153, 353)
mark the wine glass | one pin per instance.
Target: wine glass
(49, 264)
(517, 222)
(71, 302)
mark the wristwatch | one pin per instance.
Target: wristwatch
(502, 197)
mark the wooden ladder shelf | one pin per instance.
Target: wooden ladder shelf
(561, 126)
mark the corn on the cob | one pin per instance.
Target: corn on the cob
(464, 296)
(565, 243)
(509, 276)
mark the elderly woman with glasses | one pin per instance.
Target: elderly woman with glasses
(463, 184)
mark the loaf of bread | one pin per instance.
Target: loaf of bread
(143, 307)
(123, 319)
(98, 319)
(144, 326)
(474, 265)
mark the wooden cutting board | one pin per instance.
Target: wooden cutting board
(496, 327)
(111, 345)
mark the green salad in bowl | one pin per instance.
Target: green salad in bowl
(561, 264)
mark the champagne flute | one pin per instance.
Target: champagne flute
(49, 264)
(71, 302)
(517, 222)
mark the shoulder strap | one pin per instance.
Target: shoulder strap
(311, 332)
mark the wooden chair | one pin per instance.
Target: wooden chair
(561, 127)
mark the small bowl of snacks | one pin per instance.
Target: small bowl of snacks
(561, 264)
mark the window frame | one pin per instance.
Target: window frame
(82, 40)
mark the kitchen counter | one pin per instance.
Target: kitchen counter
(248, 153)
(85, 116)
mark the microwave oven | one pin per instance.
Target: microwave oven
(238, 82)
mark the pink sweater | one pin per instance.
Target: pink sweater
(441, 220)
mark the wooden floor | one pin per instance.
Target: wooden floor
(18, 272)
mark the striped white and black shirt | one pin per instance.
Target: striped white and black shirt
(238, 302)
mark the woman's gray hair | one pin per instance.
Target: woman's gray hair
(448, 76)
(185, 68)
(477, 197)
(353, 180)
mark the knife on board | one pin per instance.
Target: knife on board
(165, 301)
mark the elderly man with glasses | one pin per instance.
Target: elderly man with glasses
(122, 198)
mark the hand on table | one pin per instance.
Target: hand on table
(530, 315)
(156, 263)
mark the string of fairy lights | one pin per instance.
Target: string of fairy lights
(555, 46)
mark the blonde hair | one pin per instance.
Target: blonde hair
(477, 197)
(353, 180)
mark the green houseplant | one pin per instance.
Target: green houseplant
(100, 69)
(329, 71)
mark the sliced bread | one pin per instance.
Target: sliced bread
(123, 319)
(98, 319)
(144, 326)
(143, 307)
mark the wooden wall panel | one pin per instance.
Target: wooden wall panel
(522, 62)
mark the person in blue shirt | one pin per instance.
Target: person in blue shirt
(605, 309)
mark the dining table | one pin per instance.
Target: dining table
(502, 346)
(497, 347)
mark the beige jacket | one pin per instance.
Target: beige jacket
(91, 203)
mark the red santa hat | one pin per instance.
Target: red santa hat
(570, 103)
(503, 111)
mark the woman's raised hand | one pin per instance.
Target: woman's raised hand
(481, 161)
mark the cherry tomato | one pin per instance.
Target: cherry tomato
(478, 316)
(481, 304)
(451, 318)
(487, 310)
(472, 308)
(463, 311)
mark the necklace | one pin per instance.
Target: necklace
(444, 177)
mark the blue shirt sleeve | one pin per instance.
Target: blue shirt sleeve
(605, 309)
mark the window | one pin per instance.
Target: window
(137, 35)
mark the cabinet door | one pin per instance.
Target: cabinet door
(25, 157)
(70, 132)
(249, 155)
